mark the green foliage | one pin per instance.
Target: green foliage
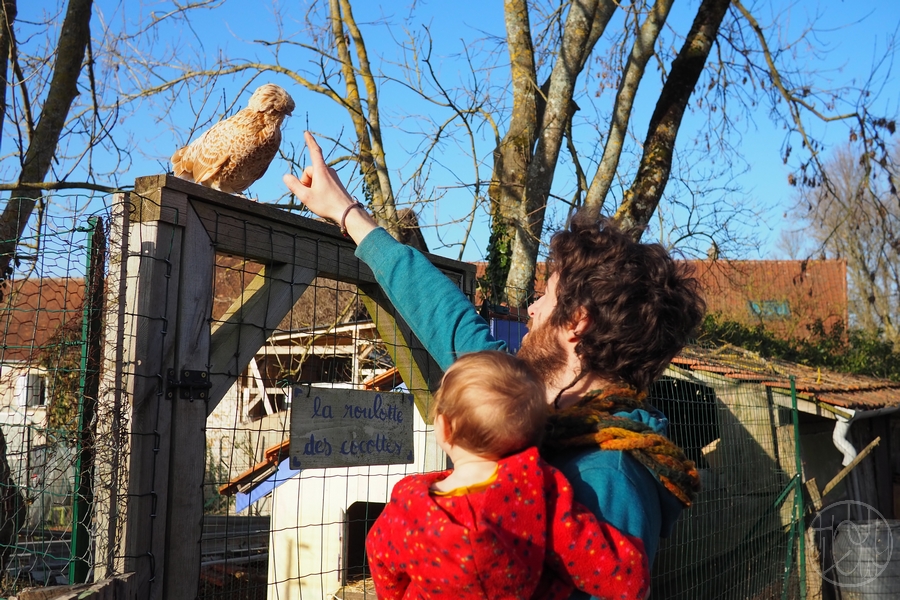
(493, 283)
(60, 357)
(854, 351)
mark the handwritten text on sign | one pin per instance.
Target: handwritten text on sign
(346, 428)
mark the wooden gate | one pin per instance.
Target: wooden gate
(167, 365)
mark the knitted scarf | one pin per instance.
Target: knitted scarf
(591, 422)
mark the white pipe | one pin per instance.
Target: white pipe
(842, 428)
(839, 437)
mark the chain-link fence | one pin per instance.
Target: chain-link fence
(167, 450)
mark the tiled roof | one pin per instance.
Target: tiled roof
(255, 474)
(33, 311)
(858, 392)
(784, 296)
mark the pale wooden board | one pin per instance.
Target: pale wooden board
(349, 428)
(188, 421)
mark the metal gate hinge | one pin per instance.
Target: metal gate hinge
(193, 385)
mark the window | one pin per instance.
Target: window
(31, 390)
(770, 309)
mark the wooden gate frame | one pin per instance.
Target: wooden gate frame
(160, 296)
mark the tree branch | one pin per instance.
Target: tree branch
(642, 199)
(641, 52)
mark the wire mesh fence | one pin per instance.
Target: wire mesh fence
(48, 371)
(167, 451)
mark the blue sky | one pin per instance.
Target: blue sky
(855, 32)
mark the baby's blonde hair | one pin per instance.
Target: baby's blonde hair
(493, 404)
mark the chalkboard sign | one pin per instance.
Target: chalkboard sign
(348, 428)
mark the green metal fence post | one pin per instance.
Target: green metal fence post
(89, 383)
(798, 493)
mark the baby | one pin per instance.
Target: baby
(502, 524)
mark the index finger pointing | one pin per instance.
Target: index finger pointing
(315, 152)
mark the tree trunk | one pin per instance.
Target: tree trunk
(368, 131)
(526, 158)
(73, 40)
(8, 12)
(641, 200)
(513, 154)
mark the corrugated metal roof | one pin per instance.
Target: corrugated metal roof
(858, 392)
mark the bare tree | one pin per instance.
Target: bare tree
(856, 217)
(39, 134)
(743, 73)
(529, 108)
(37, 144)
(62, 107)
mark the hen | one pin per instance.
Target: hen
(235, 152)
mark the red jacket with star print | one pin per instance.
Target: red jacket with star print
(522, 536)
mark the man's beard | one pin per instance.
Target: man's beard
(542, 351)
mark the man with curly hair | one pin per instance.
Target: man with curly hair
(614, 314)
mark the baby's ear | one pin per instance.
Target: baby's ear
(443, 429)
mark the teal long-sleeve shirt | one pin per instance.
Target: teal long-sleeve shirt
(612, 484)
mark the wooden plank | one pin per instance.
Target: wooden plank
(112, 441)
(419, 371)
(261, 386)
(269, 234)
(258, 239)
(151, 301)
(233, 204)
(813, 558)
(846, 470)
(188, 437)
(350, 428)
(813, 488)
(249, 322)
(813, 565)
(115, 588)
(154, 202)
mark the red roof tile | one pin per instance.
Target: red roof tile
(845, 390)
(33, 311)
(785, 296)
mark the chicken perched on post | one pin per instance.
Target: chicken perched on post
(234, 153)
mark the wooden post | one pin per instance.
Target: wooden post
(248, 323)
(111, 443)
(144, 301)
(187, 455)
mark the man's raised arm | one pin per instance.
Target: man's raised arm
(435, 309)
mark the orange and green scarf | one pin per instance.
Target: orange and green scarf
(591, 422)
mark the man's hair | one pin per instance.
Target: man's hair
(642, 305)
(493, 404)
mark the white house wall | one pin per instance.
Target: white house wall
(23, 426)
